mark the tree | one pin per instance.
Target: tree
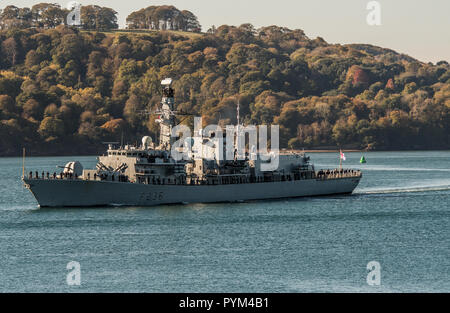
(115, 127)
(47, 77)
(131, 111)
(32, 58)
(70, 74)
(107, 19)
(32, 109)
(10, 12)
(98, 18)
(164, 17)
(212, 30)
(10, 49)
(71, 47)
(9, 17)
(48, 15)
(51, 128)
(190, 22)
(7, 106)
(137, 20)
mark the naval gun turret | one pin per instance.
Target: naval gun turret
(74, 168)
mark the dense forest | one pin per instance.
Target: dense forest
(163, 17)
(94, 17)
(64, 90)
(50, 15)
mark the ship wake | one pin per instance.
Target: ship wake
(384, 190)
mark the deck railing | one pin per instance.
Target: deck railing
(217, 180)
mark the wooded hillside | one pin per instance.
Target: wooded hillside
(64, 91)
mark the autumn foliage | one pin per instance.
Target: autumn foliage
(65, 91)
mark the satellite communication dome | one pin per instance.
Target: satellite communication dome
(166, 82)
(146, 142)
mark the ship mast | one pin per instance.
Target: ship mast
(23, 163)
(238, 129)
(166, 117)
(237, 113)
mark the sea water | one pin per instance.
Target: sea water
(399, 216)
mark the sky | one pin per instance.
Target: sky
(419, 28)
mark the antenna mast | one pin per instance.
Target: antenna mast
(238, 112)
(23, 163)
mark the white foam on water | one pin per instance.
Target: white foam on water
(334, 285)
(365, 167)
(116, 204)
(381, 190)
(410, 169)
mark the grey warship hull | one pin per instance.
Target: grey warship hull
(85, 193)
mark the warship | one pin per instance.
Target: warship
(149, 174)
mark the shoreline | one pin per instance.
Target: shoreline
(281, 152)
(325, 150)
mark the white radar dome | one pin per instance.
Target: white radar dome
(146, 142)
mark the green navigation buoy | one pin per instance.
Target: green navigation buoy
(363, 160)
